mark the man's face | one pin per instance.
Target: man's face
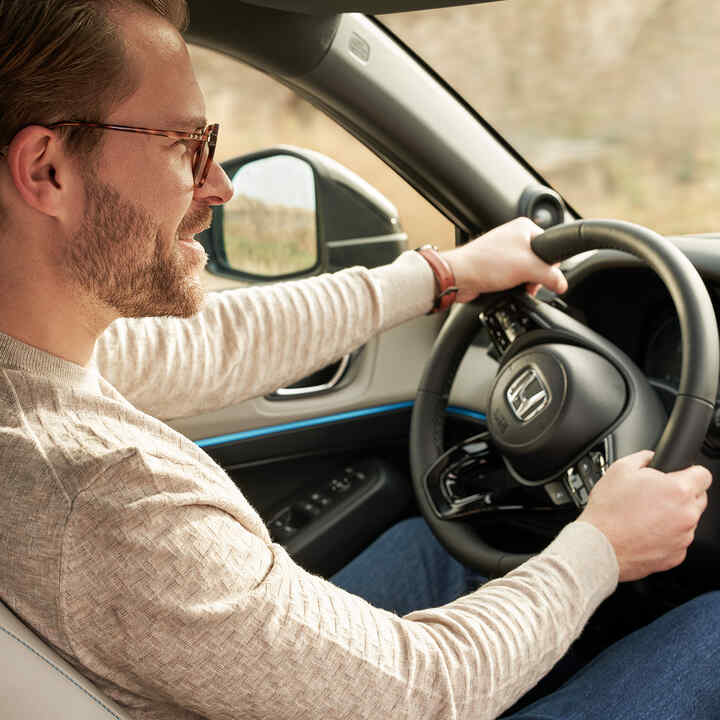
(120, 257)
(134, 249)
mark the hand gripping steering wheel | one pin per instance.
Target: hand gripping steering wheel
(565, 401)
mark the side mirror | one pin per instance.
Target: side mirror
(296, 212)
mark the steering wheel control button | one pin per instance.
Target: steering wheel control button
(557, 493)
(585, 469)
(580, 479)
(599, 463)
(505, 323)
(573, 484)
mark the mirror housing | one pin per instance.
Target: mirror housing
(354, 224)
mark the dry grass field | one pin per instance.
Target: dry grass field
(616, 103)
(269, 240)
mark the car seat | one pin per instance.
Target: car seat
(37, 684)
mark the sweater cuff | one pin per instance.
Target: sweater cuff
(407, 288)
(591, 557)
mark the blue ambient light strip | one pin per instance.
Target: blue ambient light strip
(464, 412)
(324, 420)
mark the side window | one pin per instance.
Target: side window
(256, 113)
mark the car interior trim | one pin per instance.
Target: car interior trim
(324, 420)
(299, 424)
(393, 98)
(287, 43)
(464, 412)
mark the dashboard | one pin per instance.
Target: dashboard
(631, 307)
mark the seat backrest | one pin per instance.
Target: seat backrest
(37, 684)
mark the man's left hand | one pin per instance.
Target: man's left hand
(502, 259)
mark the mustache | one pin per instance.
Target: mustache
(196, 221)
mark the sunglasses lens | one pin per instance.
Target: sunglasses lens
(204, 155)
(199, 163)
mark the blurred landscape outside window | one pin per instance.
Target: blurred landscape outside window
(255, 112)
(615, 103)
(270, 225)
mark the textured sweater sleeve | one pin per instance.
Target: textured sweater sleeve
(183, 604)
(248, 342)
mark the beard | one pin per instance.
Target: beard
(110, 257)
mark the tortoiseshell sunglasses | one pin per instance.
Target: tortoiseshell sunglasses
(202, 159)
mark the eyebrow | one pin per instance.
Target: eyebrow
(194, 122)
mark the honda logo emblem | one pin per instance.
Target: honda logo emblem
(528, 395)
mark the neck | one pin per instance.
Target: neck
(51, 316)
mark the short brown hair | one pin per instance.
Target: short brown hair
(65, 60)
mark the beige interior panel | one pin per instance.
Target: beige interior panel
(387, 371)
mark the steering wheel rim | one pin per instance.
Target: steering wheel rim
(686, 427)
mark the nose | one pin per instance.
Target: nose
(217, 189)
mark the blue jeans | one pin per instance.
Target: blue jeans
(665, 671)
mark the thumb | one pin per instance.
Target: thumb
(637, 460)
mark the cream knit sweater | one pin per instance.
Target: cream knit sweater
(136, 556)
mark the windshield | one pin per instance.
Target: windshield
(615, 103)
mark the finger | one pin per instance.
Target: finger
(561, 283)
(551, 277)
(699, 478)
(532, 288)
(637, 460)
(704, 482)
(687, 539)
(677, 558)
(525, 226)
(706, 477)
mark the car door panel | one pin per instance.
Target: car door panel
(387, 372)
(281, 452)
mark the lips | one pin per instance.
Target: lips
(189, 237)
(196, 221)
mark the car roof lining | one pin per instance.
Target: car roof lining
(285, 44)
(370, 7)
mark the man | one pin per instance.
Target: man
(123, 544)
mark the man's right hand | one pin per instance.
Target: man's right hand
(648, 516)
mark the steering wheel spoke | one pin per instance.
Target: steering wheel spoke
(468, 479)
(471, 478)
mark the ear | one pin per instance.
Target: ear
(41, 169)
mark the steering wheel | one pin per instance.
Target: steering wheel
(565, 402)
